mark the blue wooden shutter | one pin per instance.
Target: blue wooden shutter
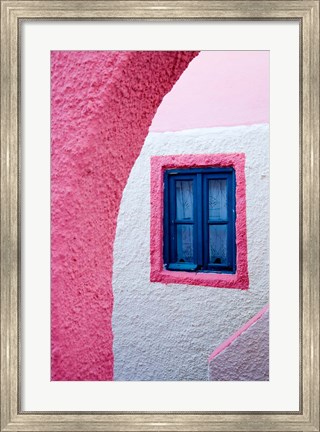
(199, 219)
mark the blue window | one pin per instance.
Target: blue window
(199, 220)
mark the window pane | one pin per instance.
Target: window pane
(217, 199)
(184, 199)
(185, 243)
(218, 235)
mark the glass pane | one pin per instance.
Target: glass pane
(184, 199)
(185, 243)
(218, 235)
(217, 199)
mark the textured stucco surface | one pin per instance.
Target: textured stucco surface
(167, 331)
(221, 88)
(159, 164)
(246, 358)
(102, 104)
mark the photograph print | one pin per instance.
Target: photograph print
(160, 215)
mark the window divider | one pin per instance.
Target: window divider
(166, 218)
(199, 216)
(205, 225)
(172, 217)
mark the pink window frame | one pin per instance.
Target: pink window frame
(239, 280)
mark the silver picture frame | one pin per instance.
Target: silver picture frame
(12, 14)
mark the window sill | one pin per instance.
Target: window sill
(217, 280)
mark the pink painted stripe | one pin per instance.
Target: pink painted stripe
(242, 329)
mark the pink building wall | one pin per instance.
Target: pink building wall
(228, 88)
(102, 104)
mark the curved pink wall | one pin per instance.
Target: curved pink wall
(221, 88)
(102, 104)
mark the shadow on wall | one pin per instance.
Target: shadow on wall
(245, 355)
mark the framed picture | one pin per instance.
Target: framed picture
(114, 125)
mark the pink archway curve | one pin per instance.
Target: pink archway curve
(102, 103)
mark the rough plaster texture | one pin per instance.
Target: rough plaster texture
(221, 88)
(247, 357)
(167, 331)
(158, 274)
(102, 104)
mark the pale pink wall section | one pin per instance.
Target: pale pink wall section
(220, 88)
(102, 104)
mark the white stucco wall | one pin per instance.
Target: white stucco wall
(167, 332)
